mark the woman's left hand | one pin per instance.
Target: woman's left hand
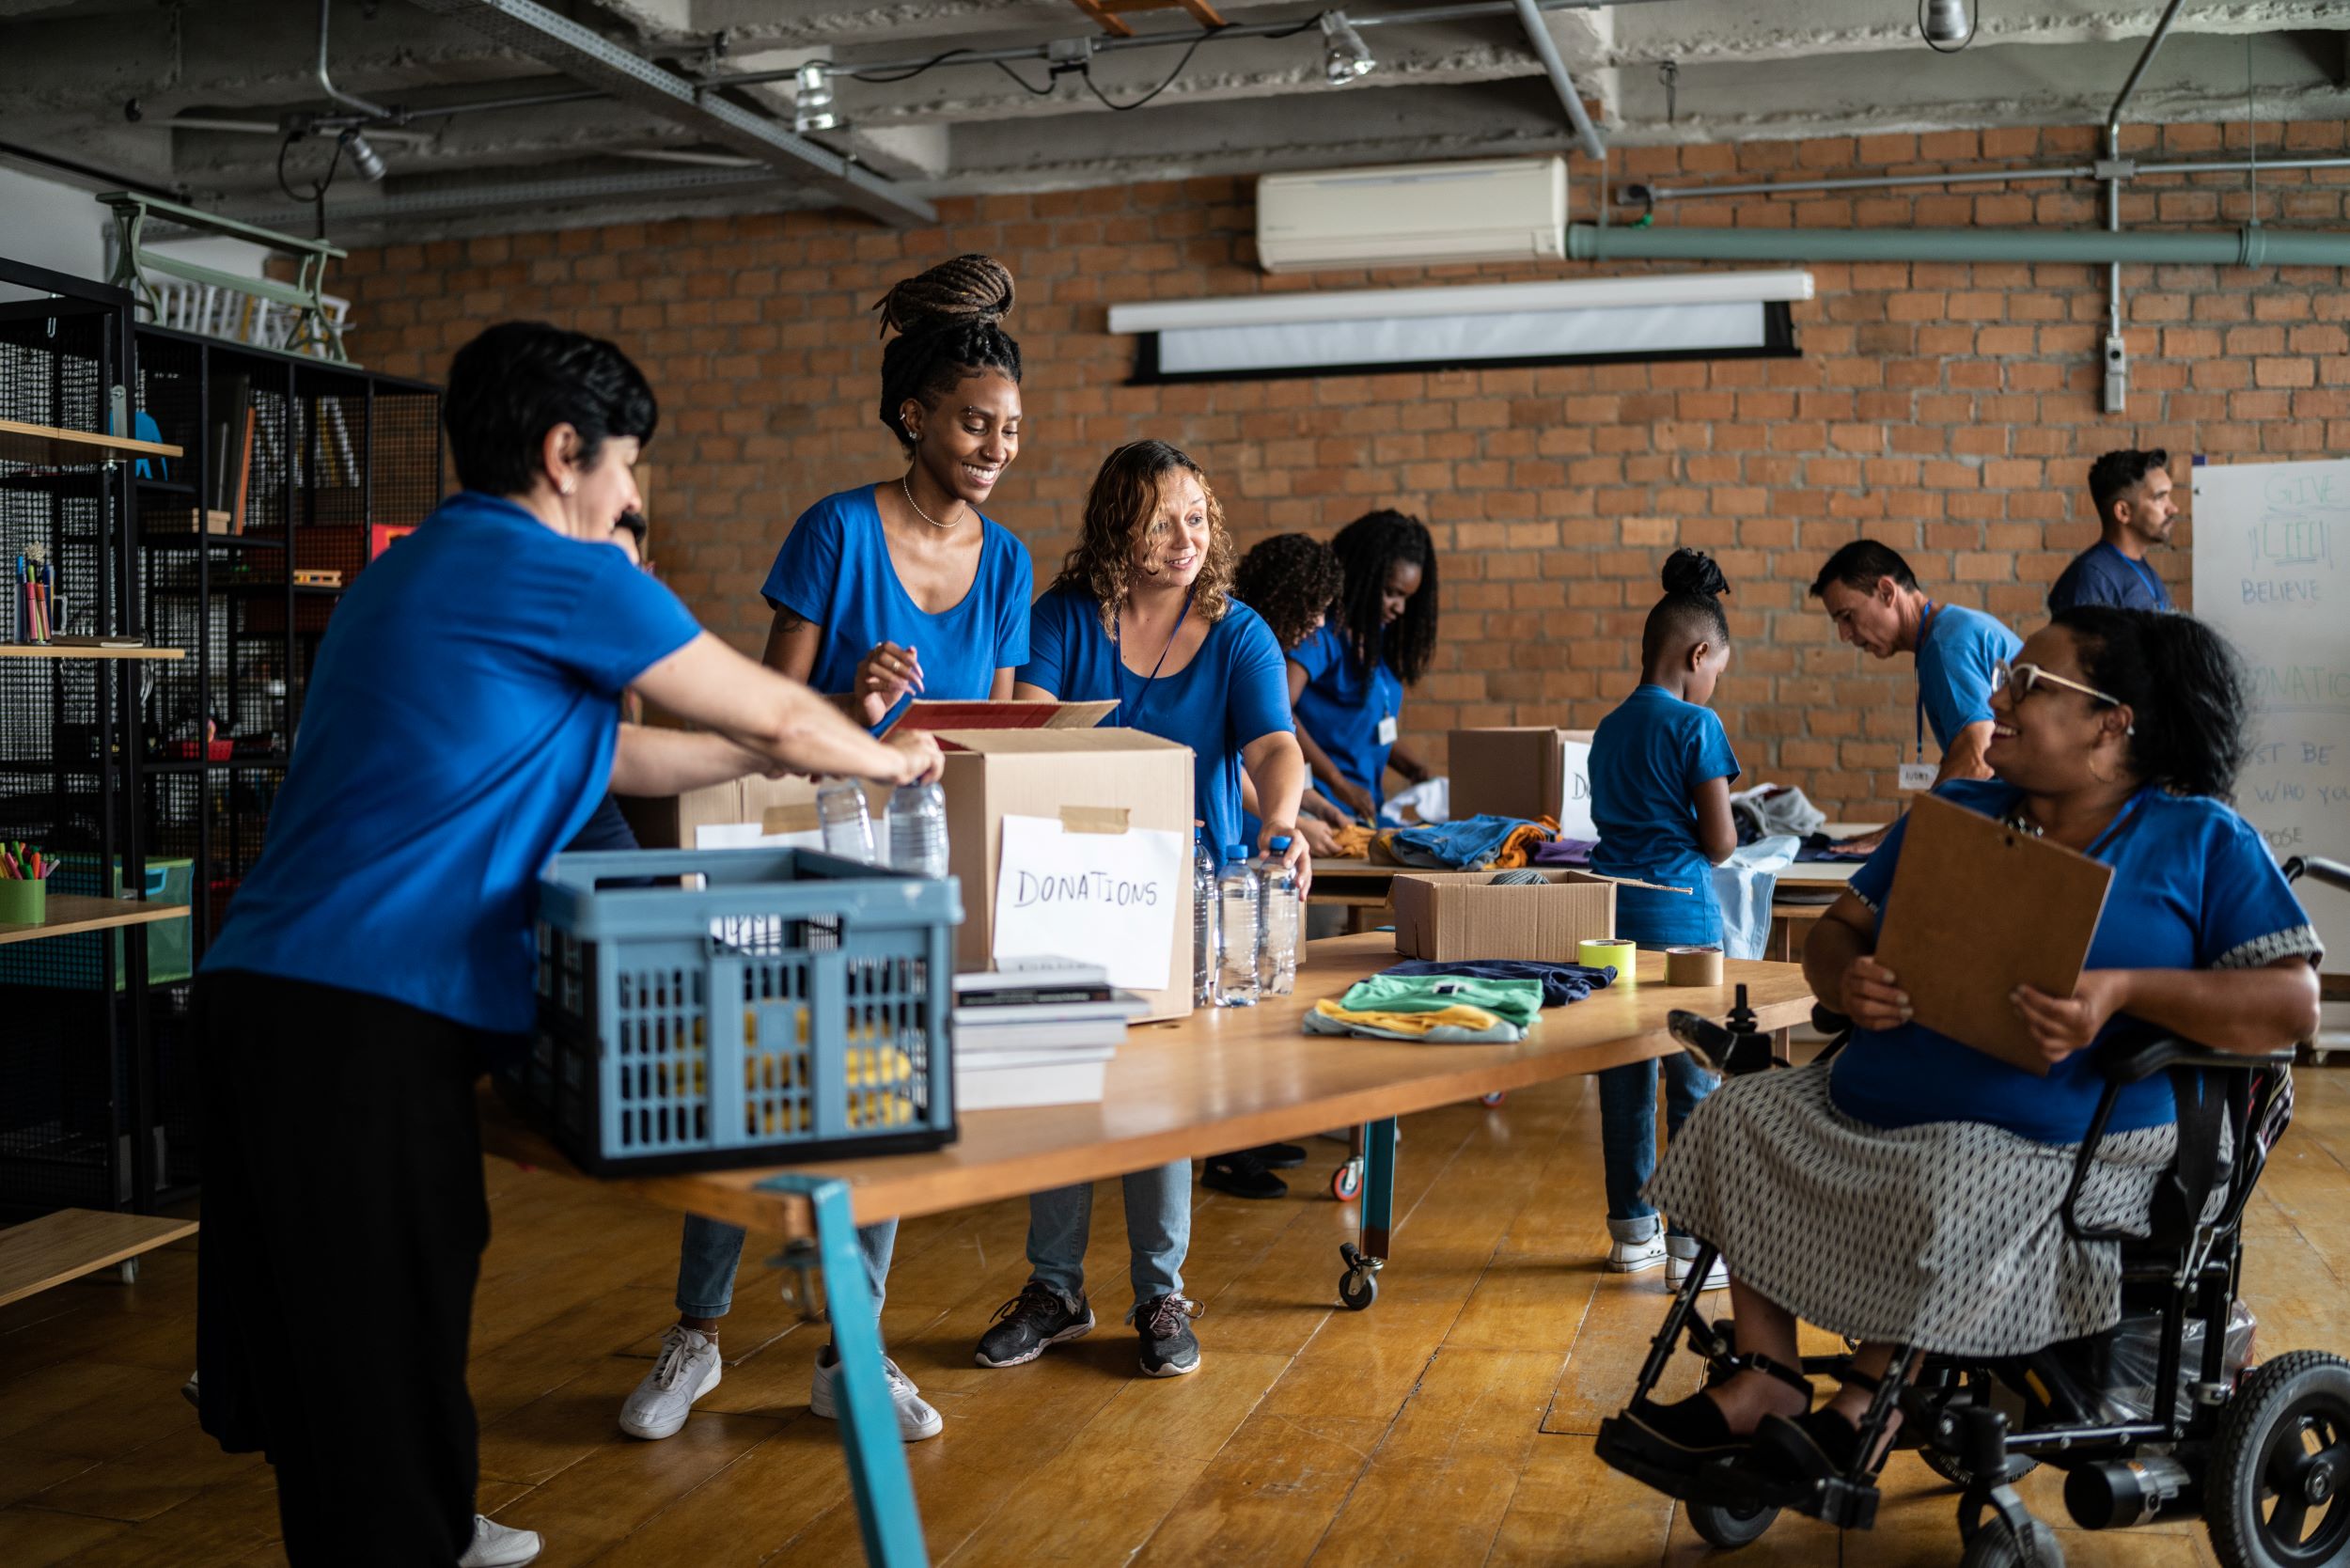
(1300, 864)
(2061, 1025)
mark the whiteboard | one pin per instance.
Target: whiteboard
(2272, 571)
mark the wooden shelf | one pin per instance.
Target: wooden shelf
(73, 1242)
(22, 443)
(74, 912)
(50, 651)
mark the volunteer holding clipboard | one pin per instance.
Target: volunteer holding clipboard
(1873, 598)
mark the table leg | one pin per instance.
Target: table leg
(1359, 1287)
(885, 1511)
(1783, 949)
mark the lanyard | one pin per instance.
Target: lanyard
(1924, 621)
(2119, 819)
(1117, 653)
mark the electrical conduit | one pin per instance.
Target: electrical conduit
(2252, 246)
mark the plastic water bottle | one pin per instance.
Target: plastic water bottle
(1238, 903)
(848, 826)
(917, 830)
(1203, 920)
(1276, 959)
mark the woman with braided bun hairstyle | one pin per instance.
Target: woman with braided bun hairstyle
(889, 591)
(902, 588)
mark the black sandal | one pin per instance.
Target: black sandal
(1683, 1438)
(1819, 1446)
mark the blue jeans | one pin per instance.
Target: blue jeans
(713, 1249)
(1158, 1233)
(1627, 1133)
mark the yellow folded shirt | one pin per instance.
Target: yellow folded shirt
(1458, 1016)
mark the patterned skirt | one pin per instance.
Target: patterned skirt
(1948, 1236)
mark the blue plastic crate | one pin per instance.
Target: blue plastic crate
(793, 1007)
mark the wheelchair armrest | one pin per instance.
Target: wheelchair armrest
(2332, 873)
(2131, 1061)
(1828, 1020)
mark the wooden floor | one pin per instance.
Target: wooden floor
(1452, 1423)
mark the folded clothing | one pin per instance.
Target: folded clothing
(1451, 1025)
(1565, 852)
(1820, 847)
(1469, 844)
(1561, 983)
(1517, 1001)
(1353, 841)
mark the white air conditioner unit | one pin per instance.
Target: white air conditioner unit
(1413, 214)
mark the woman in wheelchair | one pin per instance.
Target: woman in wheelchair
(1910, 1192)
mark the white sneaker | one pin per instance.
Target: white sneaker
(495, 1546)
(686, 1369)
(1625, 1257)
(916, 1418)
(1684, 1259)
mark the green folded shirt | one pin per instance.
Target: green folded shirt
(1517, 1001)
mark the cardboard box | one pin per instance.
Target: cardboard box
(1450, 915)
(1107, 780)
(1531, 773)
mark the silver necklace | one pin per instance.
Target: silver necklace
(921, 513)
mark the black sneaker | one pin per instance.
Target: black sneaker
(1242, 1175)
(1279, 1156)
(1028, 1322)
(1169, 1349)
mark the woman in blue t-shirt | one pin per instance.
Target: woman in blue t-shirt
(1346, 680)
(902, 588)
(1661, 768)
(1912, 1190)
(885, 592)
(463, 720)
(1142, 615)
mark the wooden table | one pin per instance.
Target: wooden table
(1222, 1079)
(1361, 887)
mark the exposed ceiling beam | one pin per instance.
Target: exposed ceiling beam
(598, 62)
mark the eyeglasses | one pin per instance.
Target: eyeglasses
(2023, 680)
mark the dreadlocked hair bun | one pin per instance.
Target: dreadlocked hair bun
(947, 320)
(1693, 572)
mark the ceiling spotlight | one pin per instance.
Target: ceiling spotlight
(811, 105)
(363, 157)
(1345, 54)
(1947, 24)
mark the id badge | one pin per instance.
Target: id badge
(1387, 731)
(1916, 776)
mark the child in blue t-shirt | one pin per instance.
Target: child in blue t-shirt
(1346, 680)
(1661, 768)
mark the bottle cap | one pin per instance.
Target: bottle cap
(1279, 842)
(1235, 851)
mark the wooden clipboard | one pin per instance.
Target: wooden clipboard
(1977, 909)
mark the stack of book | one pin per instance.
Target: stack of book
(1040, 1035)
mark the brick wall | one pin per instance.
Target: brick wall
(1948, 410)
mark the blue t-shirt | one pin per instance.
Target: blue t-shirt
(834, 570)
(1954, 660)
(459, 731)
(1233, 692)
(1648, 759)
(2193, 888)
(2101, 574)
(1343, 706)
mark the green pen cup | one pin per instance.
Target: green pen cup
(23, 902)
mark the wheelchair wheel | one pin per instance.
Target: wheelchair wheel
(2273, 1491)
(1995, 1545)
(1730, 1528)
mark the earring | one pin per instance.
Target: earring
(569, 485)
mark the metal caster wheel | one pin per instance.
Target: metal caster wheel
(1496, 1098)
(1346, 1183)
(1359, 1287)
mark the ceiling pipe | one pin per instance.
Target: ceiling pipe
(2116, 352)
(1547, 50)
(326, 83)
(2249, 246)
(1643, 194)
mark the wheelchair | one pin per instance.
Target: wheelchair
(2262, 1452)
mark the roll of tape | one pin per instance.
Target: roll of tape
(1692, 966)
(1609, 954)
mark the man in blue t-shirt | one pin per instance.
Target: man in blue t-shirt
(462, 721)
(2134, 512)
(1873, 598)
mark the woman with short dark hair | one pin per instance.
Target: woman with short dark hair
(1911, 1190)
(461, 722)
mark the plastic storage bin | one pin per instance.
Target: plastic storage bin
(772, 1006)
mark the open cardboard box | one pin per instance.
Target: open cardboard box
(1530, 773)
(1455, 916)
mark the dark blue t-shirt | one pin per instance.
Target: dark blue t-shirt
(2102, 575)
(834, 570)
(1344, 706)
(458, 730)
(2193, 888)
(1235, 691)
(1648, 759)
(1954, 659)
